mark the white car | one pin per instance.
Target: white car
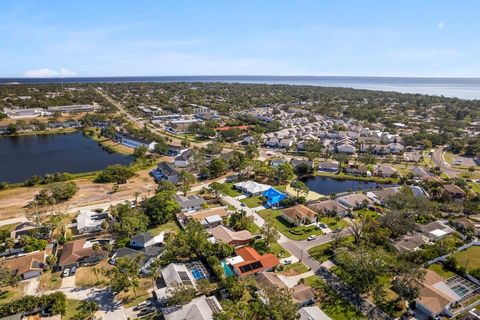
(287, 262)
(310, 238)
(66, 272)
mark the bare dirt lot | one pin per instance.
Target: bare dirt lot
(13, 202)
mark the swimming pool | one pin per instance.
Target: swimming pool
(226, 269)
(198, 274)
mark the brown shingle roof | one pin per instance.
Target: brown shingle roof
(226, 235)
(29, 262)
(75, 251)
(299, 212)
(327, 206)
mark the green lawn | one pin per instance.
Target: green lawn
(333, 223)
(282, 188)
(286, 228)
(475, 186)
(231, 191)
(294, 269)
(367, 213)
(71, 309)
(438, 268)
(274, 248)
(469, 258)
(171, 226)
(253, 202)
(321, 253)
(253, 228)
(333, 305)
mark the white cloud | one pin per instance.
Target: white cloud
(440, 25)
(49, 73)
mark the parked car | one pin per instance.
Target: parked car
(66, 272)
(243, 204)
(73, 270)
(142, 305)
(147, 310)
(286, 262)
(310, 238)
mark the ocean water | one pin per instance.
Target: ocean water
(464, 88)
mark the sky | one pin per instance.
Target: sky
(408, 38)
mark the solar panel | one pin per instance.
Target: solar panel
(213, 306)
(184, 277)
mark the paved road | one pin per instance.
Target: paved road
(13, 220)
(437, 158)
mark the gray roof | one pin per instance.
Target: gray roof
(190, 201)
(142, 237)
(184, 156)
(167, 169)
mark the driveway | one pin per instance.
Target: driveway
(31, 286)
(68, 282)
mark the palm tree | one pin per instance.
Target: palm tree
(154, 271)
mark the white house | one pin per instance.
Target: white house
(183, 159)
(346, 148)
(90, 221)
(252, 188)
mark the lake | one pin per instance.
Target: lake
(327, 185)
(24, 156)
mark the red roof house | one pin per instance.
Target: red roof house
(250, 262)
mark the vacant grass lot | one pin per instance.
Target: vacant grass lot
(333, 223)
(274, 248)
(294, 269)
(286, 228)
(92, 276)
(170, 226)
(231, 191)
(50, 280)
(71, 309)
(469, 258)
(321, 253)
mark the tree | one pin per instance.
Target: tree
(124, 275)
(251, 151)
(217, 167)
(276, 304)
(239, 220)
(161, 148)
(406, 282)
(8, 278)
(362, 267)
(299, 187)
(218, 188)
(186, 179)
(127, 221)
(357, 227)
(214, 148)
(285, 172)
(269, 233)
(167, 186)
(140, 151)
(303, 169)
(180, 293)
(162, 207)
(86, 310)
(115, 173)
(56, 192)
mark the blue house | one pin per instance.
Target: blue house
(273, 197)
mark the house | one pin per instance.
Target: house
(143, 240)
(381, 196)
(296, 162)
(275, 163)
(134, 142)
(252, 188)
(228, 236)
(80, 252)
(200, 308)
(345, 148)
(184, 273)
(435, 230)
(174, 151)
(183, 159)
(385, 171)
(190, 203)
(90, 221)
(453, 192)
(355, 201)
(312, 313)
(357, 170)
(409, 242)
(248, 261)
(302, 295)
(299, 215)
(328, 166)
(464, 224)
(180, 126)
(165, 171)
(210, 217)
(27, 266)
(29, 229)
(274, 197)
(435, 296)
(329, 208)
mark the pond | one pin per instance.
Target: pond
(24, 156)
(327, 185)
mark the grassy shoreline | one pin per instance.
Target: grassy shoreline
(42, 132)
